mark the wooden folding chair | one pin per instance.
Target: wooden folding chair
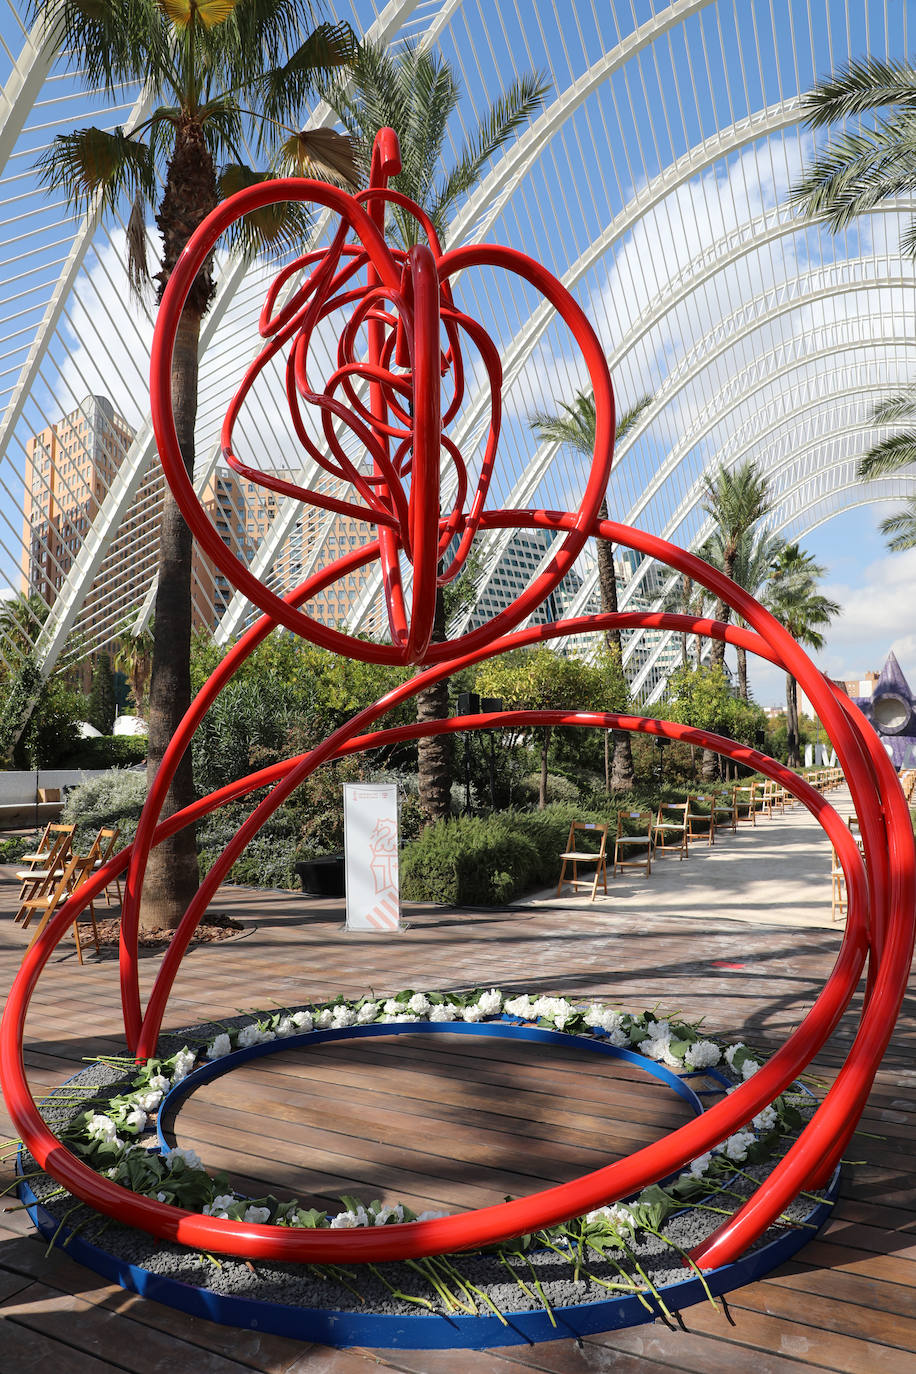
(725, 811)
(41, 849)
(744, 803)
(575, 855)
(837, 888)
(669, 830)
(54, 893)
(633, 828)
(701, 823)
(101, 851)
(32, 880)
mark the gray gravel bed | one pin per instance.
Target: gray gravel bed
(302, 1285)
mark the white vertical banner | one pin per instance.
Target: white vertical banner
(371, 856)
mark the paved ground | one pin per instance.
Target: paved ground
(740, 935)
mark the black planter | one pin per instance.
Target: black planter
(322, 877)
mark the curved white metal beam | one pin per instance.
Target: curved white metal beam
(704, 155)
(705, 352)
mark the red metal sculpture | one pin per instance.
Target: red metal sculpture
(412, 354)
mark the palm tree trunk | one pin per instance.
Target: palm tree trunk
(434, 755)
(545, 746)
(623, 774)
(172, 875)
(792, 721)
(742, 674)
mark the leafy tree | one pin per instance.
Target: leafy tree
(795, 600)
(702, 697)
(735, 501)
(102, 709)
(541, 680)
(134, 657)
(752, 569)
(415, 92)
(854, 171)
(224, 71)
(575, 425)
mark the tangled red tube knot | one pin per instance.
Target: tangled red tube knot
(402, 348)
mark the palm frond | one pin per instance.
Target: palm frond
(627, 420)
(321, 153)
(92, 162)
(856, 171)
(284, 90)
(902, 527)
(890, 456)
(908, 240)
(900, 406)
(138, 272)
(504, 118)
(864, 84)
(210, 13)
(273, 228)
(107, 41)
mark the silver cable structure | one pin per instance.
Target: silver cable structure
(654, 183)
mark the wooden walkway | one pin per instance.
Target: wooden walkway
(454, 1124)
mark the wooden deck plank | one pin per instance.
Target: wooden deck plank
(846, 1304)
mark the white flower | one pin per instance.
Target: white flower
(749, 1068)
(737, 1145)
(284, 1027)
(102, 1127)
(256, 1214)
(184, 1063)
(431, 1216)
(324, 1019)
(766, 1119)
(617, 1216)
(391, 1006)
(603, 1018)
(419, 1003)
(390, 1017)
(253, 1035)
(158, 1083)
(386, 1214)
(219, 1207)
(148, 1102)
(732, 1051)
(346, 1221)
(189, 1158)
(702, 1055)
(444, 1012)
(521, 1007)
(490, 1003)
(700, 1165)
(303, 1020)
(367, 1013)
(343, 1016)
(135, 1119)
(219, 1046)
(470, 1013)
(656, 1048)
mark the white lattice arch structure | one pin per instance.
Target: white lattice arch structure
(653, 183)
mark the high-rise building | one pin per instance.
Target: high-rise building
(69, 469)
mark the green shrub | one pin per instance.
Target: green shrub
(468, 860)
(108, 751)
(114, 799)
(14, 846)
(267, 861)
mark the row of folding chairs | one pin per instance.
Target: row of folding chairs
(641, 835)
(823, 780)
(53, 871)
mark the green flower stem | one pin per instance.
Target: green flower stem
(396, 1292)
(60, 1225)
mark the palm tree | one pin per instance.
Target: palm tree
(415, 92)
(224, 70)
(134, 658)
(575, 426)
(752, 569)
(855, 171)
(795, 600)
(735, 501)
